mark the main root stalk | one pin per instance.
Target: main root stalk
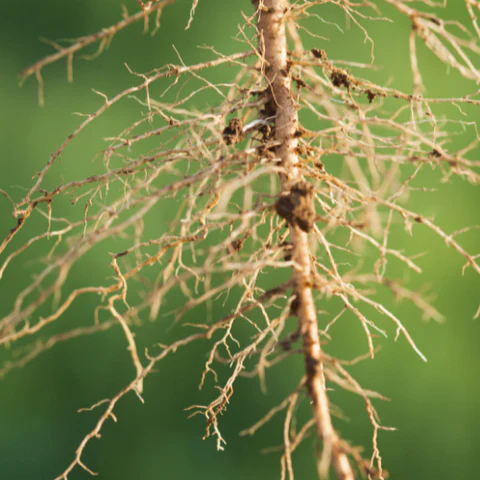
(280, 102)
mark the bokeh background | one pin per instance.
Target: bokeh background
(434, 404)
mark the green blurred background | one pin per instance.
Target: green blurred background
(434, 404)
